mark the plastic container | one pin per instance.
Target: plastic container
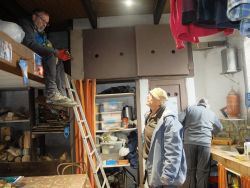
(111, 106)
(111, 117)
(111, 162)
(110, 125)
(123, 162)
(247, 149)
(111, 147)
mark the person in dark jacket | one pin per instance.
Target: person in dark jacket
(36, 39)
(199, 123)
(163, 146)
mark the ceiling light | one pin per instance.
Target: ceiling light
(128, 3)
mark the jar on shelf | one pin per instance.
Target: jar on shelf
(233, 104)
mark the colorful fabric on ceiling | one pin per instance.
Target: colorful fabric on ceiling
(188, 33)
(239, 10)
(211, 14)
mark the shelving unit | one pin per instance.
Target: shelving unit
(37, 140)
(15, 121)
(109, 121)
(99, 96)
(17, 128)
(117, 130)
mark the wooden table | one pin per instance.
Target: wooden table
(230, 160)
(59, 181)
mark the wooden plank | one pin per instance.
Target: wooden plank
(19, 51)
(90, 12)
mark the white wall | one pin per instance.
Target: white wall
(246, 66)
(190, 87)
(144, 89)
(210, 83)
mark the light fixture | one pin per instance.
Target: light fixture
(128, 3)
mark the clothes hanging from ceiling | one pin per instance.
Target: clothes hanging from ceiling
(190, 32)
(239, 10)
(211, 14)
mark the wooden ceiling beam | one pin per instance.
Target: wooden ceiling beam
(90, 12)
(158, 9)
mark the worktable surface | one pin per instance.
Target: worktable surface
(231, 159)
(58, 181)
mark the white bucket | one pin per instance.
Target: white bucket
(247, 149)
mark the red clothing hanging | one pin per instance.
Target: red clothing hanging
(188, 33)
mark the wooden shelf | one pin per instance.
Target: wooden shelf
(117, 130)
(99, 96)
(111, 143)
(112, 112)
(46, 129)
(15, 121)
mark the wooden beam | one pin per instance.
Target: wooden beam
(90, 12)
(17, 71)
(158, 9)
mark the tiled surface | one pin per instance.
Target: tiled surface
(237, 130)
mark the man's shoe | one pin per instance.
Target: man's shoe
(60, 100)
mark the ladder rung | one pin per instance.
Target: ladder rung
(104, 183)
(92, 152)
(86, 137)
(98, 167)
(81, 121)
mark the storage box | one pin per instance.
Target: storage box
(113, 147)
(111, 106)
(111, 162)
(111, 117)
(110, 125)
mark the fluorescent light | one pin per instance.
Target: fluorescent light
(128, 3)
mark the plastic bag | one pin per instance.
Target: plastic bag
(13, 30)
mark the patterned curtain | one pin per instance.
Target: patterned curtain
(86, 90)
